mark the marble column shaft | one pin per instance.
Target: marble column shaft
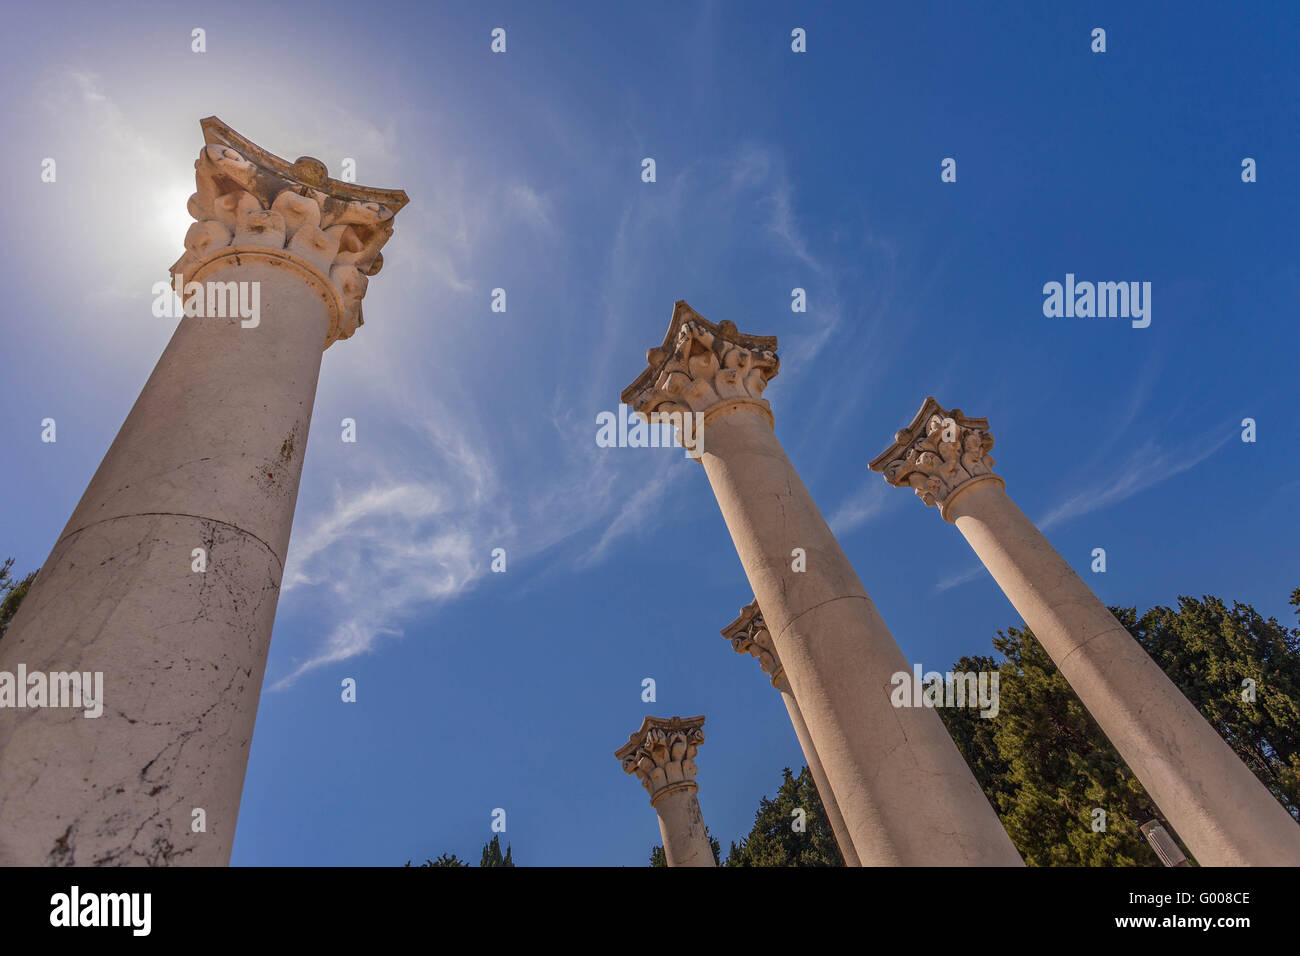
(209, 458)
(749, 635)
(906, 794)
(1217, 806)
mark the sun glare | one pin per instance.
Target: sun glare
(172, 220)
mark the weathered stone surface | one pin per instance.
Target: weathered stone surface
(182, 658)
(1218, 807)
(661, 753)
(702, 367)
(209, 458)
(748, 634)
(941, 454)
(905, 793)
(251, 201)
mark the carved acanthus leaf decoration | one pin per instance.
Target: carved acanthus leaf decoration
(662, 752)
(938, 453)
(701, 365)
(246, 196)
(748, 634)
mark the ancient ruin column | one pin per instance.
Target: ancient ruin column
(662, 755)
(749, 635)
(1163, 844)
(166, 577)
(905, 793)
(1219, 808)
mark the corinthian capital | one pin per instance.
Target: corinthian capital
(251, 201)
(702, 367)
(749, 635)
(662, 753)
(939, 455)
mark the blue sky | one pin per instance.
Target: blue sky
(477, 429)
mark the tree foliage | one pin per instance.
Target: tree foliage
(12, 592)
(774, 839)
(1210, 652)
(444, 860)
(1046, 766)
(491, 857)
(492, 854)
(1043, 762)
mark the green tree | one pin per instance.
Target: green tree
(974, 735)
(1059, 768)
(1215, 654)
(443, 860)
(12, 593)
(774, 840)
(492, 854)
(1046, 767)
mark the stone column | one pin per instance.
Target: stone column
(209, 458)
(1163, 844)
(1223, 813)
(905, 793)
(662, 755)
(749, 635)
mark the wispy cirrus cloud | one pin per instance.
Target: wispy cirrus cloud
(1147, 466)
(531, 206)
(385, 552)
(870, 501)
(433, 501)
(758, 174)
(635, 515)
(379, 555)
(960, 578)
(750, 182)
(421, 529)
(409, 525)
